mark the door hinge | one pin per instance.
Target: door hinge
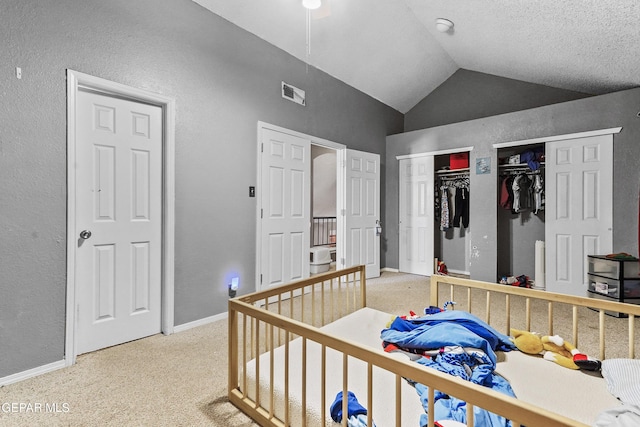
(261, 213)
(262, 147)
(261, 279)
(343, 212)
(343, 261)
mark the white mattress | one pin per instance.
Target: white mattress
(575, 394)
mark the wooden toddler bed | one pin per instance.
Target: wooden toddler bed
(293, 348)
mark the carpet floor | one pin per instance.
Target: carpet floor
(176, 380)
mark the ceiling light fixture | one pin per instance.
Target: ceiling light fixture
(312, 4)
(443, 25)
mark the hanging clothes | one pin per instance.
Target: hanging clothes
(462, 207)
(521, 193)
(538, 194)
(515, 190)
(436, 202)
(444, 208)
(506, 192)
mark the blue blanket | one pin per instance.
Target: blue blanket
(468, 348)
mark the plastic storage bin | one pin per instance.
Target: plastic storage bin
(320, 259)
(614, 279)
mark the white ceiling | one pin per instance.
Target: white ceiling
(391, 50)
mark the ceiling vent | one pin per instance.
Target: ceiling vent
(292, 93)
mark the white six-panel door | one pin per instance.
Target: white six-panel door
(285, 207)
(118, 217)
(362, 244)
(579, 218)
(416, 215)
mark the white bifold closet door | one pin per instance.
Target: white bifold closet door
(416, 215)
(579, 216)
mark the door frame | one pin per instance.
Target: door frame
(76, 80)
(433, 154)
(553, 138)
(341, 156)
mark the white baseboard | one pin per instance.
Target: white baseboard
(200, 322)
(21, 376)
(390, 270)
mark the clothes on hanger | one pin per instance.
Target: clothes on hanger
(452, 201)
(521, 191)
(538, 193)
(462, 207)
(444, 208)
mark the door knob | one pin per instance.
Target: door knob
(85, 234)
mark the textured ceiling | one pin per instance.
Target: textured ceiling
(391, 50)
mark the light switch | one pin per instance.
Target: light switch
(252, 191)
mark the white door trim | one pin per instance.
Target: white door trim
(431, 202)
(435, 153)
(557, 137)
(76, 79)
(341, 150)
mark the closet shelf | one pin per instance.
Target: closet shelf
(518, 166)
(453, 171)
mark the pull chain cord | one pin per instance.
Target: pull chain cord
(308, 36)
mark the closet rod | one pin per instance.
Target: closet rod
(456, 172)
(453, 177)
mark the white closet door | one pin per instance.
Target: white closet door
(416, 215)
(578, 221)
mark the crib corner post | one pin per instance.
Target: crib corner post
(363, 286)
(233, 348)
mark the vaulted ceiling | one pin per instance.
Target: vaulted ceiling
(391, 50)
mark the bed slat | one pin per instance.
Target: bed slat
(303, 375)
(398, 401)
(632, 329)
(345, 388)
(488, 308)
(601, 333)
(550, 317)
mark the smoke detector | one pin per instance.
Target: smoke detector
(443, 25)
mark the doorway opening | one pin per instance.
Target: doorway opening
(324, 211)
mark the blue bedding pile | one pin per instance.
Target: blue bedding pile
(460, 344)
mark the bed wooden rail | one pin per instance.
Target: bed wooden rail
(263, 323)
(279, 314)
(468, 295)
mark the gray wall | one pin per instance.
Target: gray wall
(224, 80)
(598, 112)
(468, 95)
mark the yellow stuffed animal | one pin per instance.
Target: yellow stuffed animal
(552, 348)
